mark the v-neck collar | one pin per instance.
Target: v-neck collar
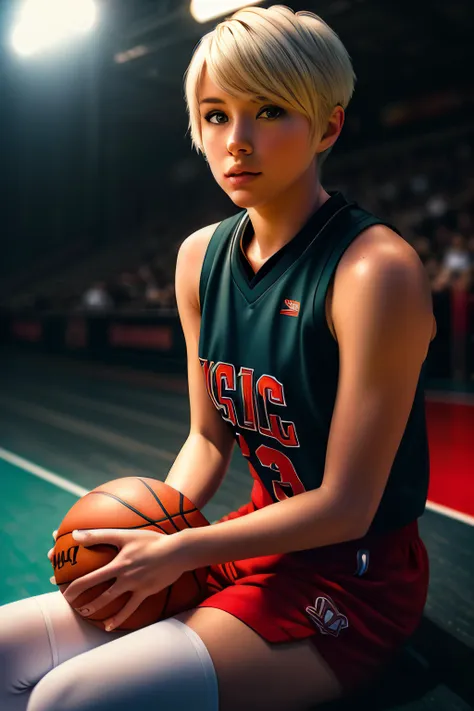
(253, 285)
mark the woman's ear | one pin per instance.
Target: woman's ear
(333, 129)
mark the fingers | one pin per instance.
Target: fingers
(101, 575)
(50, 552)
(62, 586)
(126, 611)
(107, 596)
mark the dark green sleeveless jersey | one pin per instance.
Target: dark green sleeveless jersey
(271, 363)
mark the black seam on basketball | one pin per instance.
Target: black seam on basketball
(135, 528)
(181, 510)
(127, 506)
(139, 513)
(158, 500)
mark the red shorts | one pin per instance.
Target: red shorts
(357, 601)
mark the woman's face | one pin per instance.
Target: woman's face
(257, 135)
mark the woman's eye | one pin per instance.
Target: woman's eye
(272, 110)
(214, 115)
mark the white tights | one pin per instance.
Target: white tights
(53, 660)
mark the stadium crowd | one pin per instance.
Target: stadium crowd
(429, 197)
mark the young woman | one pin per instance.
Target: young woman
(307, 322)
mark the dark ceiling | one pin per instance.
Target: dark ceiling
(399, 49)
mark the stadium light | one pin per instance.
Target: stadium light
(42, 24)
(205, 10)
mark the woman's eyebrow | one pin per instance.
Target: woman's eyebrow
(215, 100)
(210, 100)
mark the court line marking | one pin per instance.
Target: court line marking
(59, 481)
(79, 491)
(450, 513)
(42, 473)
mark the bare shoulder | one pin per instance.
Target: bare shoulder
(381, 245)
(380, 257)
(199, 239)
(379, 261)
(194, 247)
(190, 260)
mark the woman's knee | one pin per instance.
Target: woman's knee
(162, 666)
(37, 634)
(25, 650)
(53, 692)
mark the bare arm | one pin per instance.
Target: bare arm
(204, 458)
(383, 331)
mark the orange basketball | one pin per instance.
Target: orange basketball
(130, 503)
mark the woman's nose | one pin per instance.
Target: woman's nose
(240, 139)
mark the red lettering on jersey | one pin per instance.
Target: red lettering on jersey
(270, 390)
(289, 484)
(246, 385)
(206, 368)
(221, 386)
(225, 378)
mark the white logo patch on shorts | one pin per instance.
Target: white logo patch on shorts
(327, 617)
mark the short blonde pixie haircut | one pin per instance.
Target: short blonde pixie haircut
(293, 58)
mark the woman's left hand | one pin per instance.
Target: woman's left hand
(146, 563)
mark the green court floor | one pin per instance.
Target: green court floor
(29, 506)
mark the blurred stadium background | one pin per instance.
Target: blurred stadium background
(100, 186)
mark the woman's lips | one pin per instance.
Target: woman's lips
(242, 178)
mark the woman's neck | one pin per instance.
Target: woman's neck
(275, 225)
